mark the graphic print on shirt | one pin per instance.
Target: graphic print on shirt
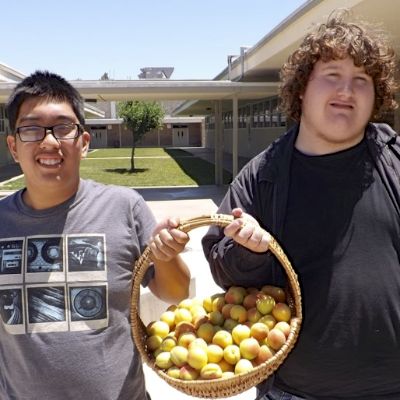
(53, 283)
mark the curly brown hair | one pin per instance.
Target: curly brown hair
(335, 40)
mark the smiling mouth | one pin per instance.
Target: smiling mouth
(49, 162)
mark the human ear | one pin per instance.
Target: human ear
(12, 147)
(85, 144)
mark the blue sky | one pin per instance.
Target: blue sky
(85, 38)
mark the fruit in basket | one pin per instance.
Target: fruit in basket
(218, 302)
(153, 342)
(197, 357)
(186, 338)
(179, 355)
(211, 371)
(276, 339)
(169, 318)
(250, 300)
(253, 315)
(263, 355)
(188, 373)
(206, 331)
(249, 348)
(168, 343)
(222, 335)
(281, 312)
(222, 338)
(276, 292)
(173, 372)
(240, 332)
(268, 320)
(215, 353)
(235, 295)
(259, 331)
(232, 354)
(284, 327)
(216, 318)
(158, 328)
(265, 304)
(243, 366)
(163, 360)
(182, 315)
(238, 313)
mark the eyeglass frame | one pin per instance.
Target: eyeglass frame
(46, 129)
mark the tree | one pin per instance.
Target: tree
(140, 117)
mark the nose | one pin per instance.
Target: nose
(49, 140)
(345, 87)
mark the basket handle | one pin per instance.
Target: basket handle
(222, 220)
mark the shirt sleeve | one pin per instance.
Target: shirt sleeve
(231, 263)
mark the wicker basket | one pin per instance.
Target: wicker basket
(224, 387)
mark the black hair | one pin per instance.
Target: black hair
(49, 86)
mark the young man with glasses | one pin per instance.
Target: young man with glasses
(329, 191)
(65, 295)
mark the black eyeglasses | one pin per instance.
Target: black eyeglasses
(35, 133)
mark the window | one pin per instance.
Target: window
(2, 119)
(275, 113)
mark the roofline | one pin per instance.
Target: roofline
(295, 15)
(158, 90)
(12, 71)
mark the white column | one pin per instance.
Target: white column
(235, 137)
(219, 147)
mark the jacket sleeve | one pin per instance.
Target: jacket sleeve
(230, 263)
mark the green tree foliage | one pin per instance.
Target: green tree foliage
(140, 117)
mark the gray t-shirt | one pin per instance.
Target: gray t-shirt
(65, 284)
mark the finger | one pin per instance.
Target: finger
(255, 239)
(237, 212)
(160, 251)
(168, 240)
(233, 228)
(264, 243)
(244, 235)
(179, 236)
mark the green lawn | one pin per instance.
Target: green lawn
(174, 167)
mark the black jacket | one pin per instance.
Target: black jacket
(261, 190)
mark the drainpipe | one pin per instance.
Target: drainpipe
(243, 50)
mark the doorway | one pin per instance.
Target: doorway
(180, 136)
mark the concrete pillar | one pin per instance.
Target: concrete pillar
(219, 144)
(235, 137)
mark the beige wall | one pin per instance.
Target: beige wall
(155, 138)
(250, 141)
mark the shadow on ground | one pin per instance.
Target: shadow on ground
(126, 171)
(213, 192)
(201, 171)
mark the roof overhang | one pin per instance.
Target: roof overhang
(202, 91)
(263, 61)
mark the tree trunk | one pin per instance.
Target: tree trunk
(133, 158)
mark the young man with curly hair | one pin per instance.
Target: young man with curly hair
(329, 191)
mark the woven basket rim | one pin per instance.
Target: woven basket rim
(223, 387)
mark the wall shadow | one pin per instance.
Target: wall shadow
(201, 171)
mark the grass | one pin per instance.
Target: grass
(158, 167)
